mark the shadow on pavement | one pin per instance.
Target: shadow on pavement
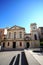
(12, 60)
(23, 59)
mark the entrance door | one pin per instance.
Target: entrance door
(14, 44)
(3, 44)
(28, 45)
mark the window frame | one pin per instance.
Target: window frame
(8, 43)
(14, 35)
(20, 34)
(20, 43)
(9, 35)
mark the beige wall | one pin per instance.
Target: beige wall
(32, 35)
(11, 44)
(24, 44)
(17, 33)
(18, 44)
(32, 41)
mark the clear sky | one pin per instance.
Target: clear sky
(21, 13)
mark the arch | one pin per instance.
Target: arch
(35, 36)
(28, 45)
(27, 38)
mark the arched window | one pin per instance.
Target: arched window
(35, 36)
(27, 38)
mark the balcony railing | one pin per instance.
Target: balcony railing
(27, 38)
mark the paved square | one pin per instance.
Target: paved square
(6, 57)
(34, 58)
(31, 58)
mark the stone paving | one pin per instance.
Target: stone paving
(6, 57)
(38, 57)
(31, 58)
(34, 58)
(13, 58)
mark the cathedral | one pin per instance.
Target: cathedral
(17, 38)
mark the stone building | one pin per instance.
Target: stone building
(1, 35)
(17, 38)
(40, 31)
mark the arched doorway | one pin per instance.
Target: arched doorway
(35, 36)
(28, 45)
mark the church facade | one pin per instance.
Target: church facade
(17, 38)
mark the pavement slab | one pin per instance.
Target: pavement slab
(37, 56)
(21, 58)
(31, 60)
(6, 57)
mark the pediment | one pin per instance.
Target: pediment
(16, 27)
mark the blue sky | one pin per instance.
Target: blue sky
(21, 13)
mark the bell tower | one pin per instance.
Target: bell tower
(33, 27)
(34, 35)
(34, 32)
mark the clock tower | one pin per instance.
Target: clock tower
(34, 32)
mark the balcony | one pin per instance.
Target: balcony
(27, 38)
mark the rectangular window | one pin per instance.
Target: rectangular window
(14, 35)
(20, 43)
(9, 34)
(20, 34)
(8, 43)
